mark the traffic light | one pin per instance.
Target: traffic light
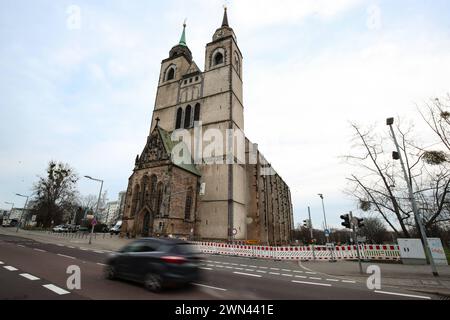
(306, 223)
(360, 222)
(346, 222)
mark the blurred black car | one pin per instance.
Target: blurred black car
(156, 263)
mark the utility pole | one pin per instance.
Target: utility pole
(24, 208)
(390, 122)
(98, 203)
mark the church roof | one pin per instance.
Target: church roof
(169, 145)
(183, 37)
(225, 18)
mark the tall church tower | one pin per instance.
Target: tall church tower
(207, 106)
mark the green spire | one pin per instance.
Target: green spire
(183, 36)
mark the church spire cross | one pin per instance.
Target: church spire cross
(183, 35)
(225, 17)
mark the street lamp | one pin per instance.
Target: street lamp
(327, 235)
(398, 156)
(98, 202)
(24, 208)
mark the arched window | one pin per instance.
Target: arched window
(197, 112)
(159, 198)
(135, 200)
(218, 58)
(170, 73)
(144, 194)
(187, 117)
(188, 205)
(153, 182)
(179, 117)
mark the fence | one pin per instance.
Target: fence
(367, 252)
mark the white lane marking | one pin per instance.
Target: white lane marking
(203, 268)
(261, 271)
(402, 294)
(298, 271)
(55, 289)
(210, 287)
(275, 273)
(40, 250)
(239, 268)
(234, 264)
(63, 255)
(311, 272)
(313, 283)
(1, 262)
(10, 268)
(303, 277)
(248, 274)
(334, 280)
(84, 249)
(285, 270)
(229, 267)
(243, 265)
(29, 276)
(70, 247)
(101, 264)
(315, 278)
(287, 275)
(348, 281)
(274, 269)
(210, 265)
(97, 251)
(252, 270)
(224, 262)
(19, 245)
(263, 267)
(253, 266)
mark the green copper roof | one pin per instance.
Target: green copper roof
(169, 144)
(183, 37)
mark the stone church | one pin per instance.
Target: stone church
(205, 197)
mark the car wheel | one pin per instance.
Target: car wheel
(110, 272)
(153, 282)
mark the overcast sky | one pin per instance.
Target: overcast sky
(85, 95)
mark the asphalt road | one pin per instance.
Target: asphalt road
(34, 270)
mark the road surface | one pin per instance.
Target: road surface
(34, 270)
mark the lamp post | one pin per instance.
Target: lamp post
(327, 235)
(24, 208)
(98, 203)
(398, 156)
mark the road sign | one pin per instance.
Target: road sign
(234, 231)
(327, 232)
(94, 222)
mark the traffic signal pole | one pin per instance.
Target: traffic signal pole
(312, 234)
(357, 244)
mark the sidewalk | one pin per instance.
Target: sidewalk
(100, 241)
(412, 277)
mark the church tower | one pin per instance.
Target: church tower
(207, 106)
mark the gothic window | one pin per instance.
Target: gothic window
(197, 112)
(188, 205)
(135, 200)
(170, 73)
(218, 58)
(237, 64)
(153, 182)
(179, 117)
(187, 117)
(159, 198)
(145, 195)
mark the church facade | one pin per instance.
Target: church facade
(214, 193)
